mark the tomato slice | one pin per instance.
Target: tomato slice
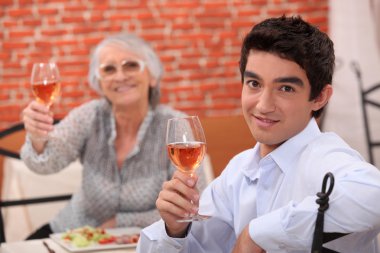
(110, 239)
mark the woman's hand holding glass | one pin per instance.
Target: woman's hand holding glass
(37, 117)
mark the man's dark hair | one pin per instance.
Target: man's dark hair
(294, 39)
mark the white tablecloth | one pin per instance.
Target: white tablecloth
(19, 182)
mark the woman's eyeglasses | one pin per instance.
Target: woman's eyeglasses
(128, 67)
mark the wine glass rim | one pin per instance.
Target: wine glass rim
(184, 117)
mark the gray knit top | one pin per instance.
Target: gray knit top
(88, 133)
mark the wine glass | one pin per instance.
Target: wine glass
(45, 81)
(186, 145)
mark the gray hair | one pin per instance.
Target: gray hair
(138, 46)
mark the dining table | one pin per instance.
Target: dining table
(37, 246)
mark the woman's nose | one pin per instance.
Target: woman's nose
(120, 74)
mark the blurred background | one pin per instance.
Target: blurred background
(199, 44)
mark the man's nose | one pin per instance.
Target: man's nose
(266, 102)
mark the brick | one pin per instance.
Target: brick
(231, 95)
(181, 88)
(20, 34)
(152, 26)
(189, 65)
(114, 27)
(15, 75)
(15, 45)
(167, 58)
(92, 41)
(83, 30)
(73, 94)
(249, 13)
(53, 32)
(213, 14)
(213, 24)
(136, 6)
(43, 44)
(213, 5)
(8, 65)
(223, 106)
(279, 12)
(10, 23)
(9, 86)
(79, 52)
(172, 79)
(47, 11)
(47, 53)
(19, 13)
(260, 2)
(145, 16)
(236, 24)
(78, 19)
(198, 76)
(96, 17)
(307, 9)
(59, 43)
(74, 8)
(195, 98)
(23, 2)
(195, 36)
(6, 2)
(74, 73)
(182, 26)
(317, 19)
(174, 15)
(120, 17)
(101, 7)
(4, 56)
(209, 87)
(31, 22)
(4, 97)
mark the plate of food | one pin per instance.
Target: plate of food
(88, 238)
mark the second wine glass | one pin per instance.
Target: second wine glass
(45, 81)
(186, 145)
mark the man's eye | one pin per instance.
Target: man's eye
(287, 88)
(253, 83)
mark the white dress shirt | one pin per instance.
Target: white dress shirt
(276, 196)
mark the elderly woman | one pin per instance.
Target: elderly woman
(119, 139)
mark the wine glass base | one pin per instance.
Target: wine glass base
(197, 217)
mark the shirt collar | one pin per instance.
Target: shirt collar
(285, 155)
(140, 134)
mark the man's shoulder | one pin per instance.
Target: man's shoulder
(330, 148)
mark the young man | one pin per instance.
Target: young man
(265, 199)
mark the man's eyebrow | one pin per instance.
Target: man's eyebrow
(251, 75)
(290, 79)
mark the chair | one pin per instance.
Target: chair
(366, 101)
(11, 140)
(226, 136)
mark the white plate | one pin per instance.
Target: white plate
(95, 246)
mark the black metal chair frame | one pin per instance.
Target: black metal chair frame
(366, 101)
(28, 201)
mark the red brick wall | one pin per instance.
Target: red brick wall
(198, 42)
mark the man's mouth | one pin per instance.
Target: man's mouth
(265, 122)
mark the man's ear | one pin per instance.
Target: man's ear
(323, 97)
